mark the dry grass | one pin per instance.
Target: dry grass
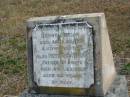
(14, 13)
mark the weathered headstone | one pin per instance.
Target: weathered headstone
(69, 55)
(63, 54)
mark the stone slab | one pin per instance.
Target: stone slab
(104, 70)
(10, 96)
(118, 89)
(63, 55)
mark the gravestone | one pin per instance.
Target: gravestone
(69, 55)
(63, 55)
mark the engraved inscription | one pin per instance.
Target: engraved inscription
(63, 55)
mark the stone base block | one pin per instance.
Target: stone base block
(118, 89)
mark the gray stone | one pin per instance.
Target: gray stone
(63, 55)
(102, 71)
(118, 89)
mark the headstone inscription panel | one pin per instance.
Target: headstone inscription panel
(69, 55)
(63, 55)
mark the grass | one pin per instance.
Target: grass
(14, 13)
(12, 56)
(126, 69)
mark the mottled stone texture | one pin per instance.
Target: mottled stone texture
(118, 89)
(104, 70)
(108, 68)
(63, 55)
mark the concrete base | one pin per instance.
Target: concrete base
(118, 89)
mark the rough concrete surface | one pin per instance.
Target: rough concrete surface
(103, 58)
(118, 89)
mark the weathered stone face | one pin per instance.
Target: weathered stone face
(63, 55)
(118, 89)
(68, 56)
